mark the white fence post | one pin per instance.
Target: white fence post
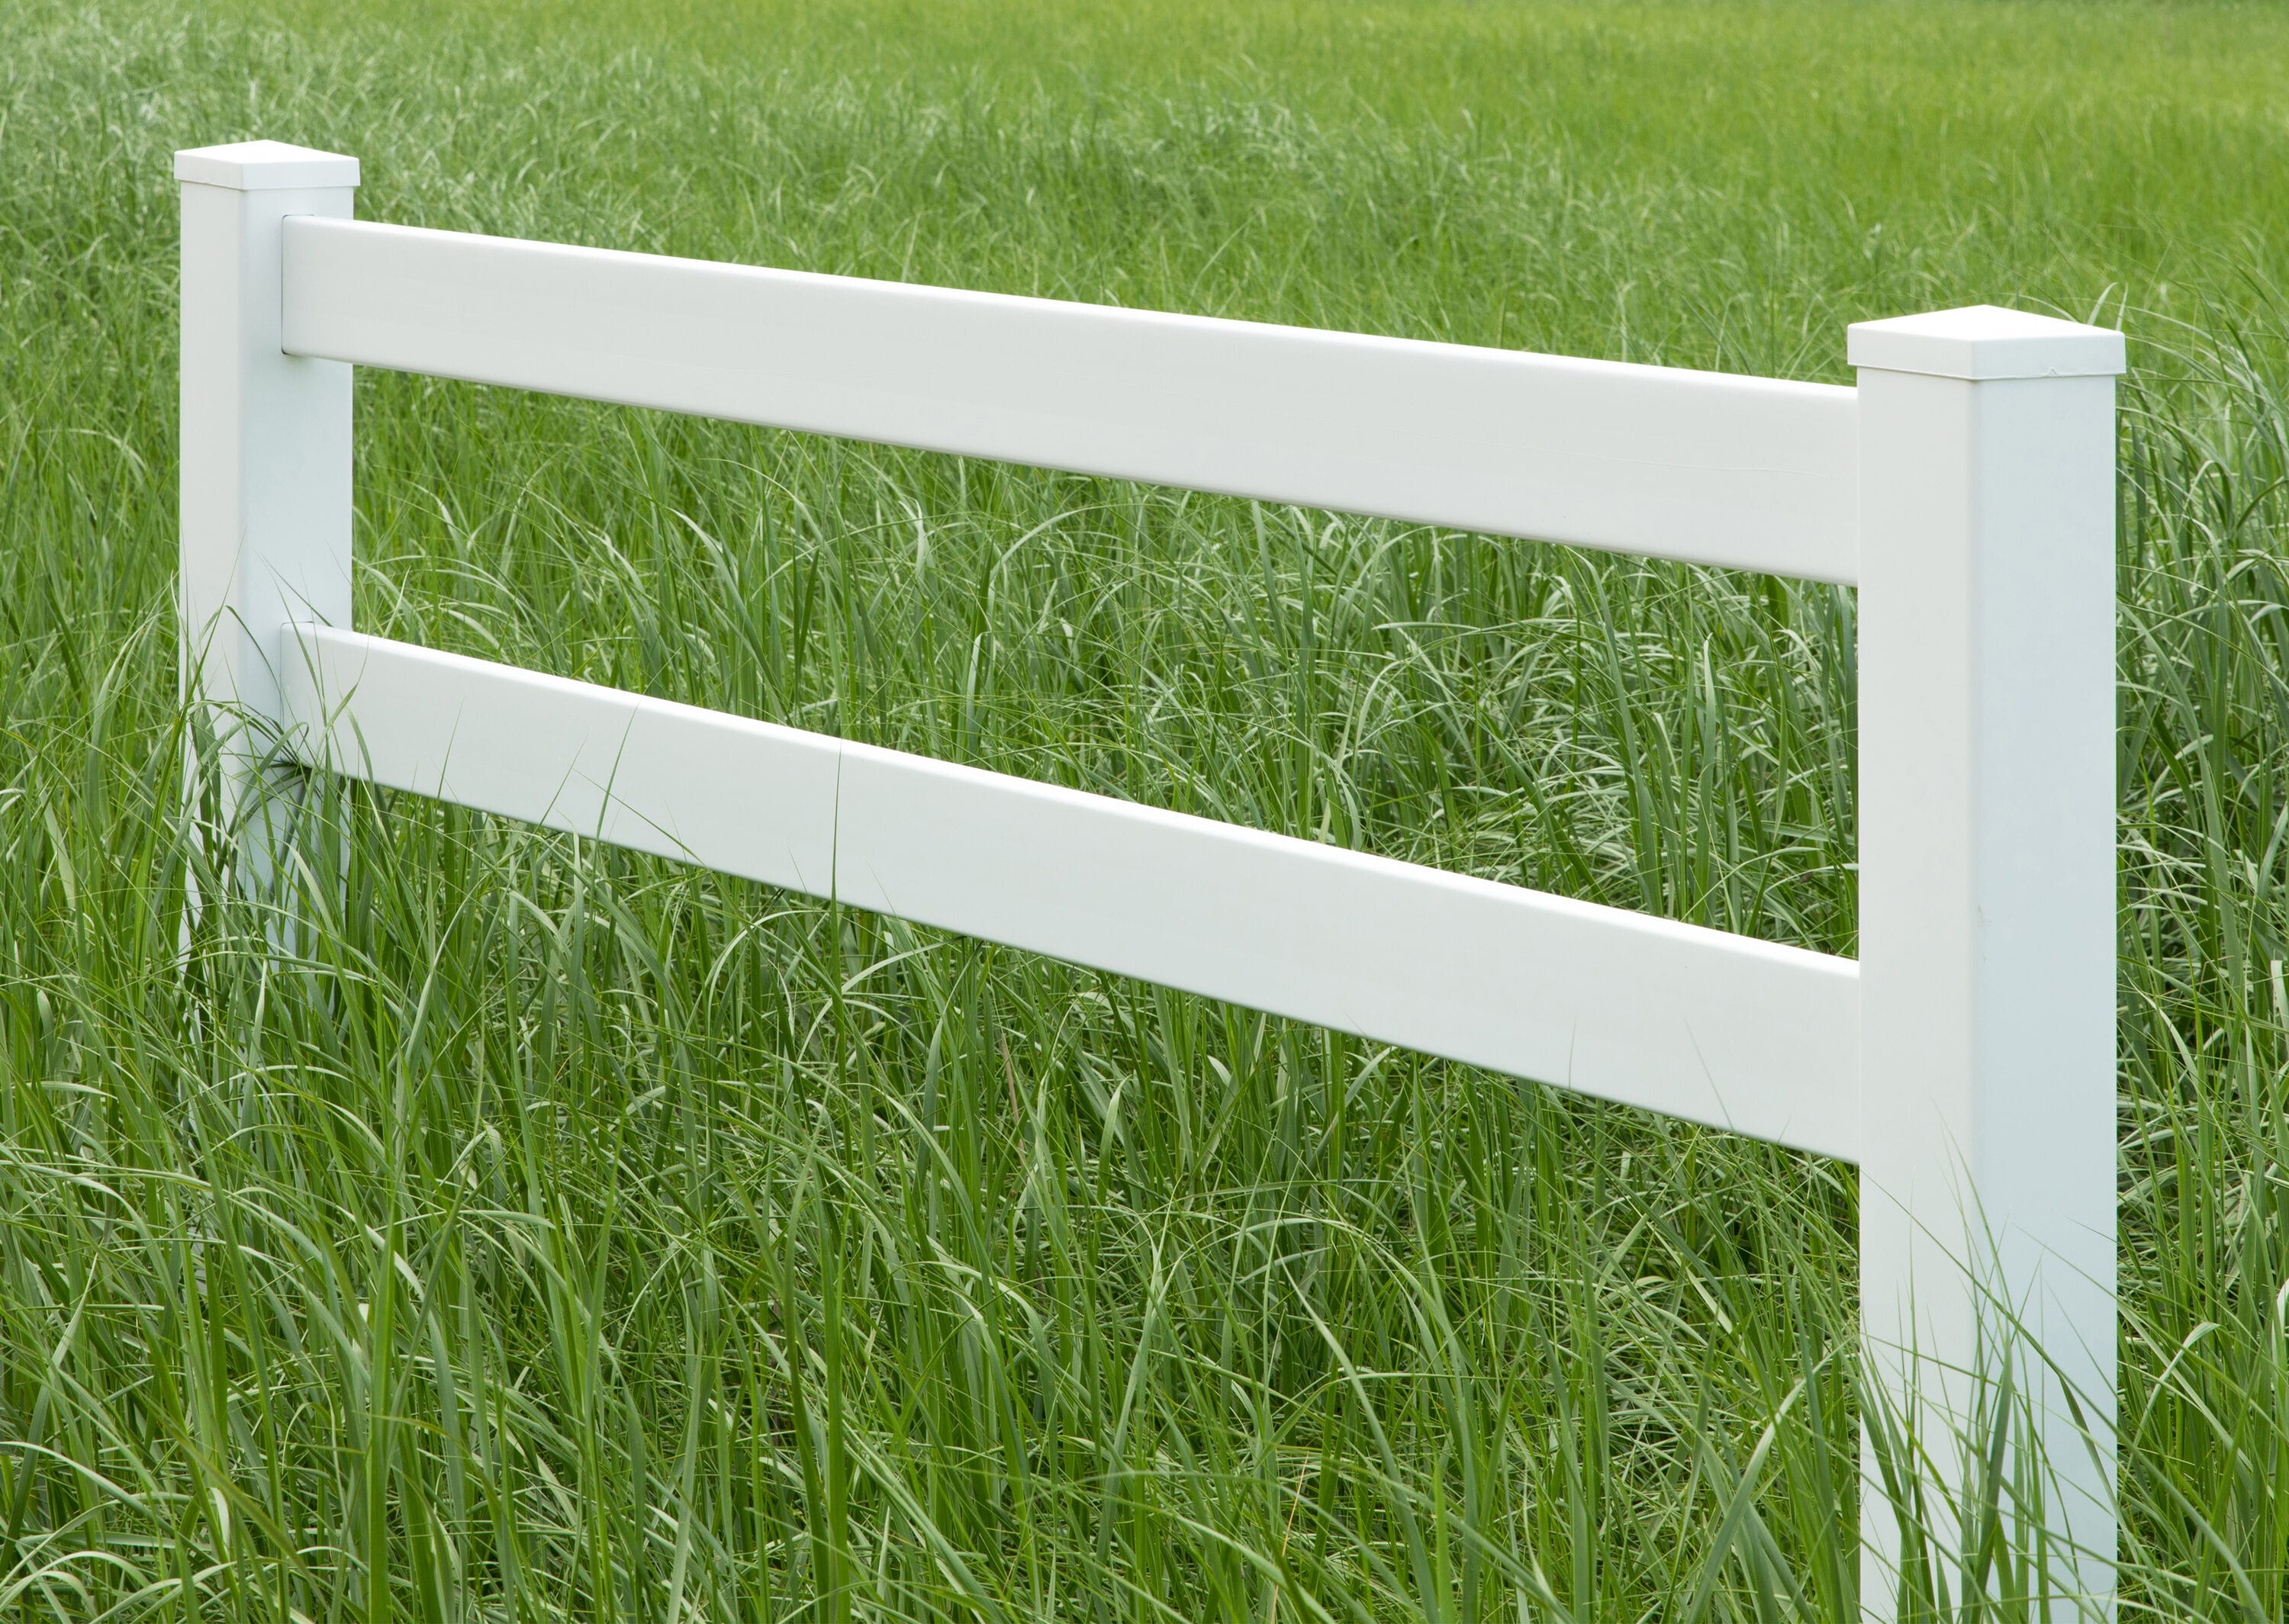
(265, 455)
(1987, 915)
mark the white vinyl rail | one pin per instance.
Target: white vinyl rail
(1965, 1062)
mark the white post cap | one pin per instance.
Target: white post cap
(264, 166)
(1985, 342)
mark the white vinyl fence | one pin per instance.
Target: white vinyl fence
(1965, 1062)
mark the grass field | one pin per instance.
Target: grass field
(566, 1235)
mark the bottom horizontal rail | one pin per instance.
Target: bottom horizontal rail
(1715, 1028)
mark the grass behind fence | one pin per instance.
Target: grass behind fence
(558, 1233)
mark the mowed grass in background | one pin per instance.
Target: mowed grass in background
(560, 1234)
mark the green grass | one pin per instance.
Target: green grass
(568, 1235)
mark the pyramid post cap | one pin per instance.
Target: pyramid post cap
(264, 166)
(1982, 343)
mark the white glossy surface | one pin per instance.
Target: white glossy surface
(265, 469)
(1986, 343)
(1711, 468)
(1987, 922)
(1701, 1025)
(265, 166)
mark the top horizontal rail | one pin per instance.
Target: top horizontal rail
(1754, 474)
